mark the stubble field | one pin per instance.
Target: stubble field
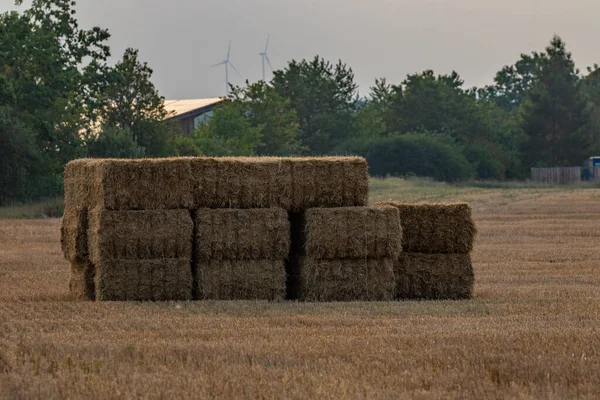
(532, 331)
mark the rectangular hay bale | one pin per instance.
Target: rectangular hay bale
(233, 234)
(78, 179)
(436, 228)
(241, 279)
(81, 281)
(152, 234)
(329, 182)
(139, 280)
(434, 276)
(347, 280)
(123, 184)
(353, 232)
(241, 182)
(73, 234)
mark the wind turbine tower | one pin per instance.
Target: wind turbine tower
(228, 64)
(264, 57)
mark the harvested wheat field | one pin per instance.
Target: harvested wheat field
(531, 331)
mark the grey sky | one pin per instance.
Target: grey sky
(377, 38)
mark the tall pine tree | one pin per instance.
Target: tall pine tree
(554, 113)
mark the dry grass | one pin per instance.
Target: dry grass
(532, 330)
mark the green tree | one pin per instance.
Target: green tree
(266, 110)
(590, 86)
(512, 82)
(554, 113)
(114, 142)
(371, 112)
(130, 100)
(324, 97)
(21, 161)
(227, 133)
(428, 103)
(50, 69)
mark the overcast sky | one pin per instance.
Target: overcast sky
(377, 38)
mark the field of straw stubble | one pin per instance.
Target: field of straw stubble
(533, 329)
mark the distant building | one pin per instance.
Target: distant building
(190, 113)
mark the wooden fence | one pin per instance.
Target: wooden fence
(557, 175)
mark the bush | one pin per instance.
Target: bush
(113, 142)
(484, 162)
(184, 146)
(357, 146)
(26, 173)
(411, 154)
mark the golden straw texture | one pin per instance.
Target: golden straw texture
(164, 279)
(347, 280)
(436, 228)
(231, 234)
(73, 234)
(434, 276)
(241, 280)
(115, 235)
(353, 232)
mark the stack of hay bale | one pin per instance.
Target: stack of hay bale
(182, 228)
(134, 230)
(349, 254)
(241, 254)
(435, 262)
(255, 228)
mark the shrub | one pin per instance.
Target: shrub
(113, 142)
(484, 162)
(411, 154)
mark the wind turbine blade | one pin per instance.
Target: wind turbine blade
(267, 44)
(235, 69)
(268, 61)
(217, 64)
(228, 50)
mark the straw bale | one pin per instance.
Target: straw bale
(436, 228)
(81, 282)
(138, 280)
(353, 232)
(241, 280)
(78, 183)
(347, 280)
(241, 182)
(233, 234)
(153, 234)
(73, 234)
(329, 182)
(434, 276)
(122, 184)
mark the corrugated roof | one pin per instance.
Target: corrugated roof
(179, 107)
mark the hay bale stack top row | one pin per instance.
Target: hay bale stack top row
(293, 184)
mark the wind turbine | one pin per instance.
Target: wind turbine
(227, 64)
(264, 57)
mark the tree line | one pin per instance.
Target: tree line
(60, 100)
